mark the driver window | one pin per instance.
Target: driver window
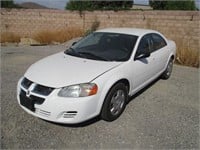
(144, 45)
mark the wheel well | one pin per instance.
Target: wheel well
(172, 57)
(126, 82)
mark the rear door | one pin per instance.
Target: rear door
(159, 53)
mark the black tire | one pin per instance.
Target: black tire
(116, 97)
(167, 73)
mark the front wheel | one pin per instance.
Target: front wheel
(167, 73)
(115, 102)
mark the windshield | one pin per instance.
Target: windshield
(104, 46)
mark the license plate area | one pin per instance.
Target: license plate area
(27, 102)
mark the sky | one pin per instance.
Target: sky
(60, 4)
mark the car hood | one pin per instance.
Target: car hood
(60, 70)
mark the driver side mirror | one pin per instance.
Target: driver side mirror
(142, 55)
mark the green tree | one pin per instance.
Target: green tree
(8, 4)
(181, 5)
(98, 5)
(173, 5)
(158, 5)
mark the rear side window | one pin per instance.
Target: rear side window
(158, 42)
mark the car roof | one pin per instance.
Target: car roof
(130, 31)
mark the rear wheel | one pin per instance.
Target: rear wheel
(115, 102)
(167, 73)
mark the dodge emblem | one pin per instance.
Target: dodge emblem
(28, 93)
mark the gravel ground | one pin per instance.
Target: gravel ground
(163, 116)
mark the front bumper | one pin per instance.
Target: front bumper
(62, 110)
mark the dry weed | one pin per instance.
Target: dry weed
(186, 56)
(63, 35)
(9, 37)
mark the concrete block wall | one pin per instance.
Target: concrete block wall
(181, 26)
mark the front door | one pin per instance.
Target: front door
(143, 69)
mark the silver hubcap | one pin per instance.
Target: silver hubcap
(117, 102)
(169, 68)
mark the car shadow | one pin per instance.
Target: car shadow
(142, 90)
(78, 125)
(98, 118)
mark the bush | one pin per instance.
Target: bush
(8, 4)
(173, 5)
(98, 5)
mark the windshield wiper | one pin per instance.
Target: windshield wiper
(72, 52)
(93, 55)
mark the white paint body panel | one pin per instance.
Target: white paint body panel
(61, 70)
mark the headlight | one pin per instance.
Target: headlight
(80, 90)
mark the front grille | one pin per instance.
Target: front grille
(43, 90)
(22, 92)
(35, 99)
(27, 102)
(26, 83)
(30, 101)
(39, 89)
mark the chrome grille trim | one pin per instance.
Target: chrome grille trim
(26, 83)
(37, 89)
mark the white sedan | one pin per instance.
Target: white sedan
(96, 75)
